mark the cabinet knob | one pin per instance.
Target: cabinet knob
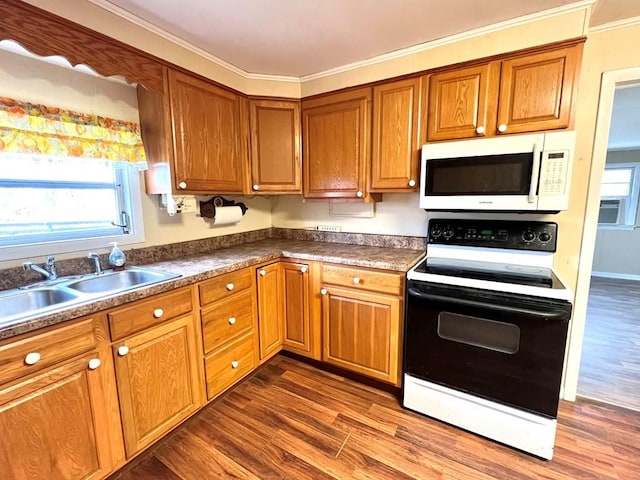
(256, 187)
(356, 280)
(502, 128)
(123, 350)
(323, 291)
(230, 286)
(262, 273)
(182, 185)
(412, 183)
(235, 364)
(232, 320)
(303, 269)
(480, 130)
(32, 358)
(94, 363)
(359, 194)
(158, 312)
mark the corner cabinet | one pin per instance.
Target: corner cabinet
(270, 309)
(275, 146)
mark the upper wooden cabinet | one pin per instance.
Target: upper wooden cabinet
(336, 141)
(526, 93)
(396, 145)
(275, 146)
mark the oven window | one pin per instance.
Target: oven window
(479, 332)
(487, 175)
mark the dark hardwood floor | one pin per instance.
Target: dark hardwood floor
(610, 365)
(291, 420)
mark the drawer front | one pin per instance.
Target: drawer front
(223, 286)
(229, 364)
(143, 314)
(27, 355)
(226, 320)
(361, 278)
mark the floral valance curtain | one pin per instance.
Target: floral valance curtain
(38, 129)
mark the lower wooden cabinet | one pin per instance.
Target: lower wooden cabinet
(270, 309)
(61, 424)
(229, 364)
(158, 380)
(296, 321)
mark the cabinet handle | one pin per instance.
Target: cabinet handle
(480, 130)
(303, 269)
(356, 280)
(232, 320)
(412, 183)
(182, 185)
(359, 194)
(94, 363)
(230, 286)
(32, 358)
(502, 128)
(262, 273)
(235, 364)
(256, 187)
(158, 312)
(123, 350)
(323, 291)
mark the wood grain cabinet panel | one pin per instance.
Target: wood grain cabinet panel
(275, 146)
(224, 320)
(58, 426)
(210, 151)
(395, 144)
(229, 364)
(158, 380)
(297, 327)
(270, 309)
(225, 286)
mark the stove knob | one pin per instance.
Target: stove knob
(448, 233)
(528, 236)
(436, 232)
(544, 237)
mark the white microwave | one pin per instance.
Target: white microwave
(515, 173)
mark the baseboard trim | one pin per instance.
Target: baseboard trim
(619, 276)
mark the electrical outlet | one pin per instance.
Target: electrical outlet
(329, 228)
(189, 204)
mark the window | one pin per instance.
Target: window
(619, 195)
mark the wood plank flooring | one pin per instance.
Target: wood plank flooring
(290, 420)
(610, 365)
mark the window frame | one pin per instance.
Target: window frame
(629, 203)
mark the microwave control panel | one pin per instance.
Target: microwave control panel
(536, 236)
(553, 172)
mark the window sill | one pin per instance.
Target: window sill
(621, 228)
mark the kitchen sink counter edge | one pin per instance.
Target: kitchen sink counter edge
(196, 268)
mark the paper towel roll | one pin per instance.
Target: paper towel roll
(227, 215)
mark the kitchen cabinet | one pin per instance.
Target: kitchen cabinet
(270, 309)
(395, 152)
(60, 422)
(336, 131)
(158, 375)
(275, 146)
(361, 316)
(524, 93)
(297, 321)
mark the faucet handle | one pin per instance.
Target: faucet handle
(50, 266)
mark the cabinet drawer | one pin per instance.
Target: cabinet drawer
(223, 286)
(226, 319)
(220, 365)
(21, 357)
(143, 314)
(364, 279)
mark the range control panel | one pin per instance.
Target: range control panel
(537, 236)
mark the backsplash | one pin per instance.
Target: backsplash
(16, 276)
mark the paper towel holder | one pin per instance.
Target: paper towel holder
(208, 208)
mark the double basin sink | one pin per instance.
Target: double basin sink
(45, 297)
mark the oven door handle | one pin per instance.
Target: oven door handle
(547, 314)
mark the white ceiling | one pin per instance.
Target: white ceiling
(303, 37)
(624, 132)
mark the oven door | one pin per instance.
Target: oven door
(503, 347)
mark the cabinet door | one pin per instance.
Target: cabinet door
(395, 150)
(361, 332)
(275, 146)
(536, 91)
(209, 138)
(462, 102)
(158, 381)
(270, 309)
(295, 277)
(62, 424)
(336, 135)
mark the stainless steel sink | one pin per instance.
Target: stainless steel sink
(112, 281)
(17, 303)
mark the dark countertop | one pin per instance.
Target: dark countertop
(197, 268)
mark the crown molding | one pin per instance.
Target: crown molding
(605, 27)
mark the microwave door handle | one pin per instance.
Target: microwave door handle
(535, 173)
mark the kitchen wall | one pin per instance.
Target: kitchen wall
(35, 81)
(618, 250)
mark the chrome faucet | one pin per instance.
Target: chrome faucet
(96, 261)
(50, 272)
